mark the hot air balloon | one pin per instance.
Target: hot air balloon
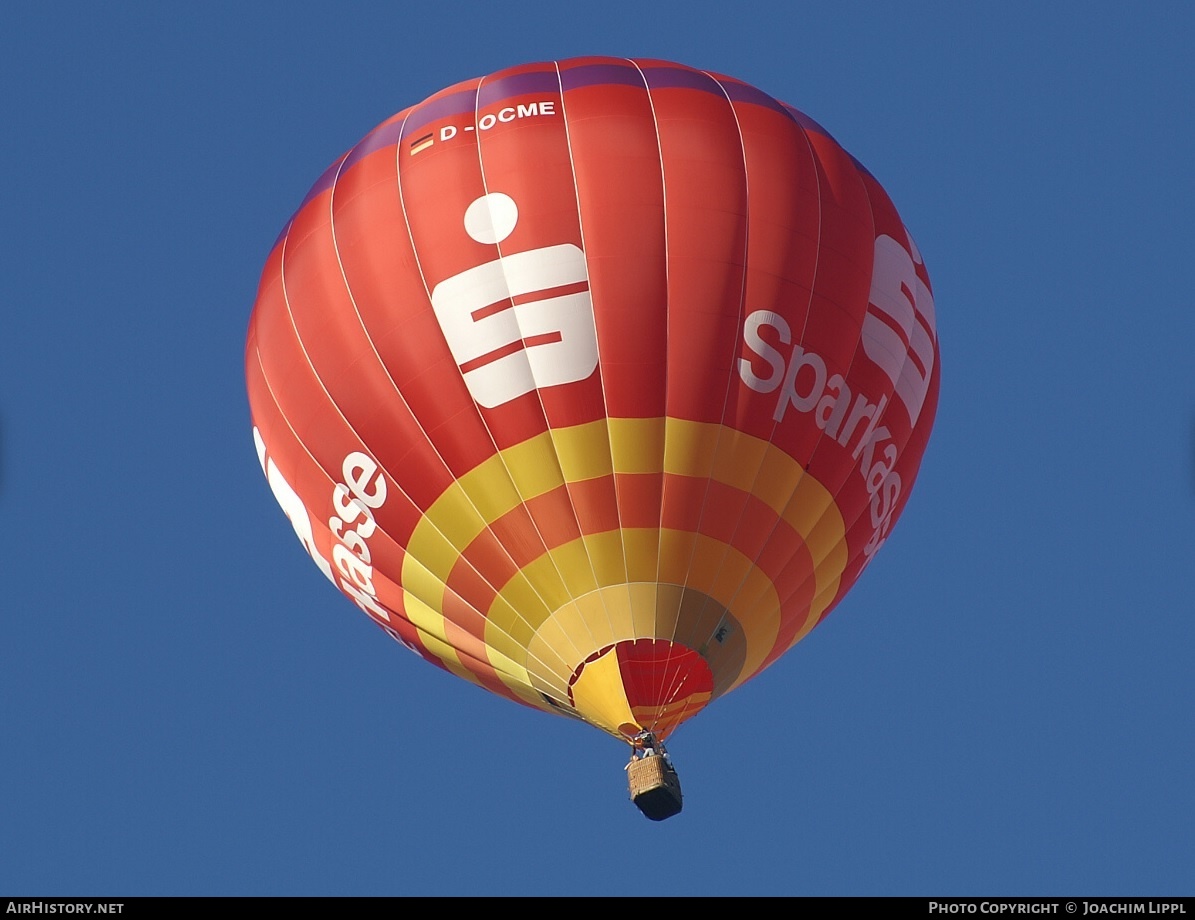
(596, 383)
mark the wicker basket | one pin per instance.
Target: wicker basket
(654, 787)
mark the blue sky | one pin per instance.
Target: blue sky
(1001, 706)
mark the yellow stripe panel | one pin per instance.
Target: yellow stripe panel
(651, 609)
(599, 694)
(584, 451)
(423, 616)
(459, 518)
(637, 444)
(432, 550)
(425, 592)
(606, 551)
(736, 459)
(807, 508)
(642, 547)
(826, 541)
(689, 447)
(532, 466)
(821, 601)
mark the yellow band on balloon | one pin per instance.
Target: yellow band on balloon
(568, 572)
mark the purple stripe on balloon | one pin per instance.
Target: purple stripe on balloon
(806, 122)
(519, 84)
(394, 132)
(859, 165)
(680, 78)
(423, 114)
(601, 74)
(382, 136)
(285, 231)
(745, 92)
(323, 182)
(466, 103)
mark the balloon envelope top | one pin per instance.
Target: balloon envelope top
(596, 382)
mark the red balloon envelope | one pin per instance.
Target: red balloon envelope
(596, 383)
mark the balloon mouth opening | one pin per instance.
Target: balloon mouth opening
(641, 684)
